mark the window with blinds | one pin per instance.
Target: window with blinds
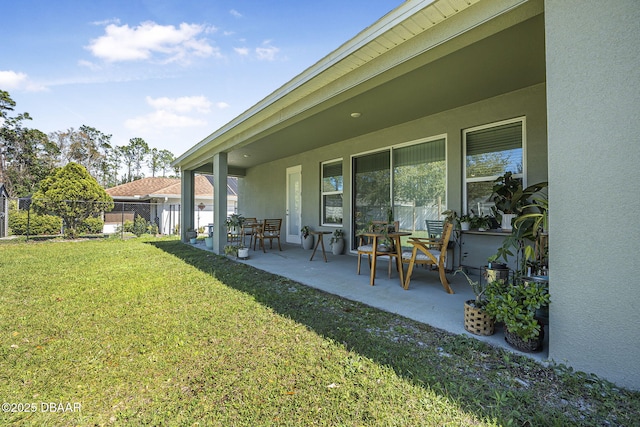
(490, 151)
(332, 187)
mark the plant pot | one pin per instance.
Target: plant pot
(243, 253)
(477, 321)
(465, 226)
(527, 346)
(307, 242)
(208, 242)
(493, 274)
(507, 219)
(193, 240)
(337, 246)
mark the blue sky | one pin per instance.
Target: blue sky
(168, 71)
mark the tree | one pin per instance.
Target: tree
(73, 194)
(89, 147)
(26, 155)
(133, 156)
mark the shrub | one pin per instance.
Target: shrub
(139, 226)
(91, 226)
(21, 221)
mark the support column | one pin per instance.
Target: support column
(187, 206)
(220, 172)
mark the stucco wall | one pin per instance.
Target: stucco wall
(593, 81)
(262, 191)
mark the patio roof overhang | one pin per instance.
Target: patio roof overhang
(416, 61)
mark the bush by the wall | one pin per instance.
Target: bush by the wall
(37, 224)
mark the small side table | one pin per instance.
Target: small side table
(320, 241)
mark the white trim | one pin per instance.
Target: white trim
(465, 180)
(323, 193)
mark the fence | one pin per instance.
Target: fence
(18, 218)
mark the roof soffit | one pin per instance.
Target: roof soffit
(405, 45)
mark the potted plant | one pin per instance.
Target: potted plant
(510, 198)
(337, 241)
(476, 319)
(481, 222)
(515, 305)
(234, 223)
(243, 251)
(465, 222)
(208, 242)
(307, 237)
(191, 235)
(231, 250)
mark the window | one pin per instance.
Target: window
(410, 178)
(332, 192)
(490, 151)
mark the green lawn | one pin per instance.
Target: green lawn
(155, 332)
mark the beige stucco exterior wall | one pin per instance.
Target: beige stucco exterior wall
(593, 81)
(261, 192)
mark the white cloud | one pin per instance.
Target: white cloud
(243, 51)
(90, 65)
(11, 80)
(162, 119)
(267, 52)
(150, 40)
(235, 13)
(173, 113)
(184, 104)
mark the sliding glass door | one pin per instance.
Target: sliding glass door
(405, 183)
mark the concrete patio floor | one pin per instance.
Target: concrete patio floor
(425, 301)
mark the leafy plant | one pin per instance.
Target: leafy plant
(234, 220)
(477, 287)
(515, 305)
(338, 234)
(508, 195)
(305, 230)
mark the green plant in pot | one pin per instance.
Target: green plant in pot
(476, 319)
(510, 198)
(307, 238)
(235, 222)
(337, 241)
(515, 305)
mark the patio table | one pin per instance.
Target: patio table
(320, 241)
(396, 235)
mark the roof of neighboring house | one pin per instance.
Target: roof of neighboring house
(146, 188)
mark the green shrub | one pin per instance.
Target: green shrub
(20, 222)
(91, 226)
(139, 226)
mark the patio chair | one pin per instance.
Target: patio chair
(270, 230)
(429, 252)
(365, 245)
(247, 230)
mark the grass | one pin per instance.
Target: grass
(155, 332)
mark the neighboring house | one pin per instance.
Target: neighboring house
(158, 200)
(549, 89)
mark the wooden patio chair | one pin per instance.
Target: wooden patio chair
(429, 252)
(270, 230)
(247, 230)
(365, 245)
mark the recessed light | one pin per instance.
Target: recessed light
(355, 115)
(246, 156)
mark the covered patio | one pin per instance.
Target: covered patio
(425, 300)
